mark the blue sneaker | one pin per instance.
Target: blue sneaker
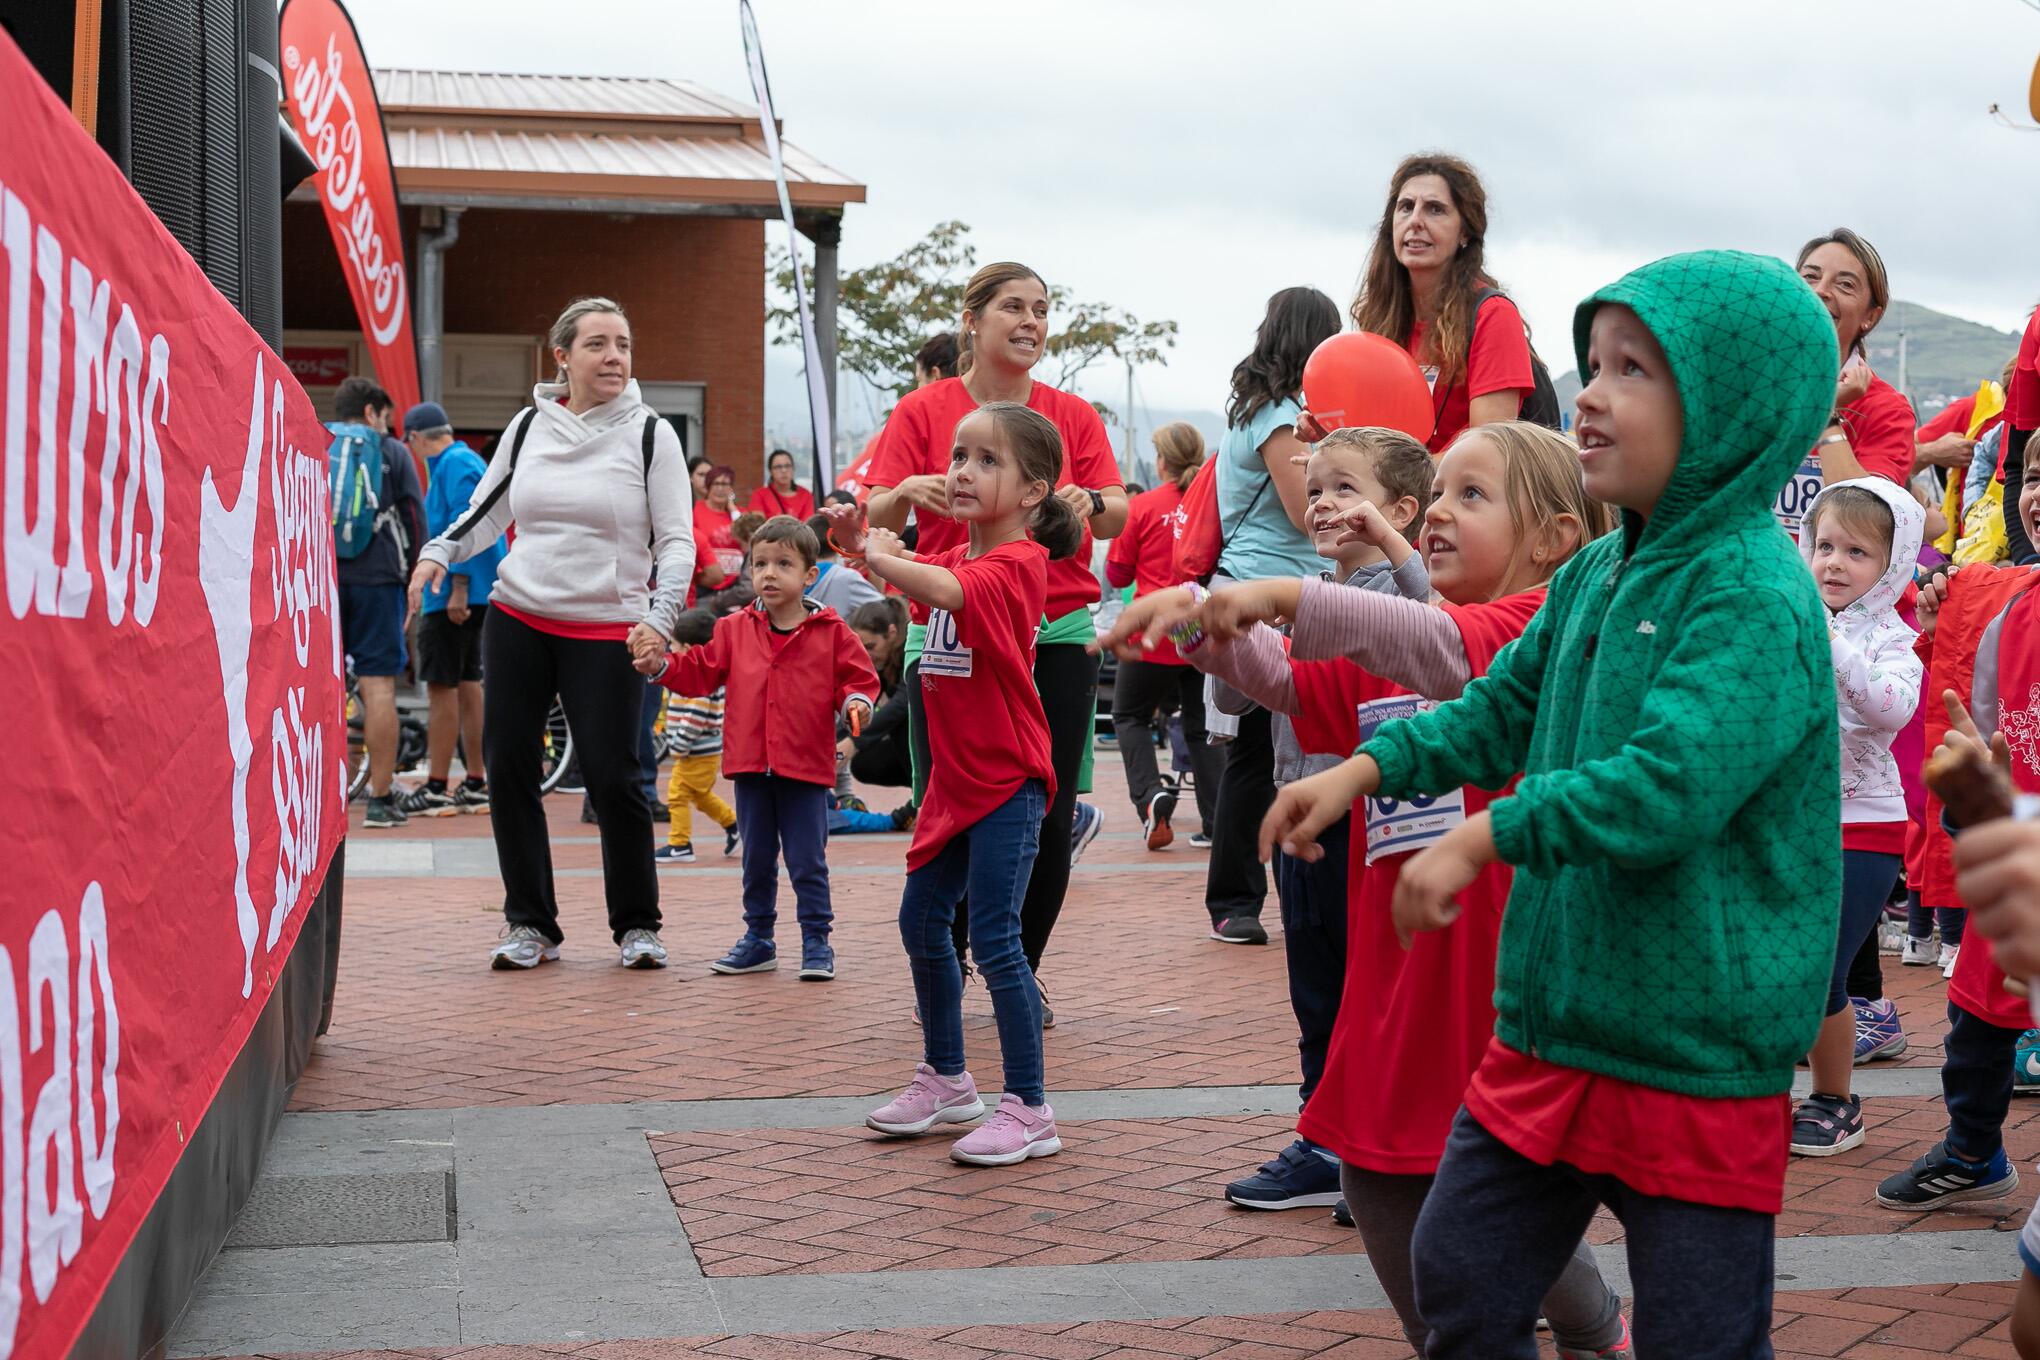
(2026, 1064)
(817, 961)
(1939, 1178)
(1878, 1032)
(1088, 823)
(1299, 1178)
(748, 955)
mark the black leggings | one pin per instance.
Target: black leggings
(604, 698)
(1066, 676)
(1235, 882)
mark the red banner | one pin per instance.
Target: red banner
(172, 662)
(330, 97)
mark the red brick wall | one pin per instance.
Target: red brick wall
(694, 288)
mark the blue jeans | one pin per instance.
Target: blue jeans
(774, 815)
(647, 743)
(1867, 876)
(1497, 1230)
(991, 861)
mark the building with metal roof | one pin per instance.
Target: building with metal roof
(521, 192)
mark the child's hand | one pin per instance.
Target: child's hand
(882, 543)
(644, 641)
(1973, 782)
(1933, 593)
(1307, 428)
(1305, 808)
(1233, 610)
(846, 528)
(650, 665)
(858, 714)
(1146, 622)
(1427, 890)
(1365, 523)
(1997, 871)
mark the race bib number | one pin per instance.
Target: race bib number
(1797, 496)
(1400, 826)
(944, 654)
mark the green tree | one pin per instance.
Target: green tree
(885, 311)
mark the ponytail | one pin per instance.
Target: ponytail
(1056, 527)
(1180, 451)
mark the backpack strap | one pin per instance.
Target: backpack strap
(517, 440)
(651, 429)
(1480, 300)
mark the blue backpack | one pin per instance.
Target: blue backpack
(354, 471)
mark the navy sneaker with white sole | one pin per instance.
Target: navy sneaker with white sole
(1939, 1177)
(748, 955)
(1087, 822)
(1298, 1178)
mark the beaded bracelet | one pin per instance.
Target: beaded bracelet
(1189, 634)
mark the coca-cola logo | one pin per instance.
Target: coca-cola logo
(329, 124)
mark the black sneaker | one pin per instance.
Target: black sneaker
(426, 801)
(384, 812)
(729, 845)
(1239, 930)
(1298, 1178)
(1342, 1214)
(1160, 809)
(1200, 840)
(587, 812)
(1939, 1178)
(1825, 1125)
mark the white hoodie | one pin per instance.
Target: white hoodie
(586, 509)
(1877, 674)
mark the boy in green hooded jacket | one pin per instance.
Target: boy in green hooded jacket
(1676, 836)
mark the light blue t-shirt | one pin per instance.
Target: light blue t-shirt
(1260, 542)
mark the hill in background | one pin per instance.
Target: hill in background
(1945, 357)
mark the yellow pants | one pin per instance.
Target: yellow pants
(693, 786)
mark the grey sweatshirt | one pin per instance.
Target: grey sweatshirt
(592, 520)
(1411, 581)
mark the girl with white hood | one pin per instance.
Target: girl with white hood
(1861, 538)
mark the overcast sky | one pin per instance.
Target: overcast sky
(1187, 158)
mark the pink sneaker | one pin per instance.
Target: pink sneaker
(1013, 1134)
(930, 1099)
(1621, 1350)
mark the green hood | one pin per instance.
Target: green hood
(1753, 351)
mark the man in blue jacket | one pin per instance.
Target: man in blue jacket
(450, 622)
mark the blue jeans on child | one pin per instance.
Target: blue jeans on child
(1976, 1083)
(1498, 1229)
(1313, 901)
(991, 861)
(779, 815)
(1867, 876)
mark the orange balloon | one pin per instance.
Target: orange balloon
(1359, 378)
(2033, 93)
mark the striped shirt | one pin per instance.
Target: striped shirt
(696, 723)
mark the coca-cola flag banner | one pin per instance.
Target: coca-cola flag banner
(171, 654)
(330, 95)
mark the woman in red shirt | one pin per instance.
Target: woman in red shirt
(1871, 434)
(1424, 290)
(780, 495)
(1142, 557)
(1004, 333)
(718, 555)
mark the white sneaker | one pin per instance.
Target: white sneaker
(1918, 953)
(641, 949)
(523, 947)
(1948, 953)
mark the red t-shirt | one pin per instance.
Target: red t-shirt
(1729, 1153)
(1883, 838)
(920, 434)
(986, 732)
(1144, 552)
(1413, 1023)
(1880, 429)
(714, 541)
(1498, 360)
(768, 502)
(1954, 419)
(2022, 399)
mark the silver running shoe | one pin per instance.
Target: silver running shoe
(641, 949)
(523, 947)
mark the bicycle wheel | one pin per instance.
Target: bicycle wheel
(357, 746)
(559, 749)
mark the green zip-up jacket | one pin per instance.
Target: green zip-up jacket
(1676, 833)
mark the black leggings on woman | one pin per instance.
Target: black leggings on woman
(1066, 676)
(603, 696)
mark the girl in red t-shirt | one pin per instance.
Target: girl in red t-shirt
(990, 776)
(1412, 1025)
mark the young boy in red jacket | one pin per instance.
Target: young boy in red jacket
(790, 667)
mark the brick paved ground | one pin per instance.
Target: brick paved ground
(1143, 1001)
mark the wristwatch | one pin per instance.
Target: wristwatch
(1097, 502)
